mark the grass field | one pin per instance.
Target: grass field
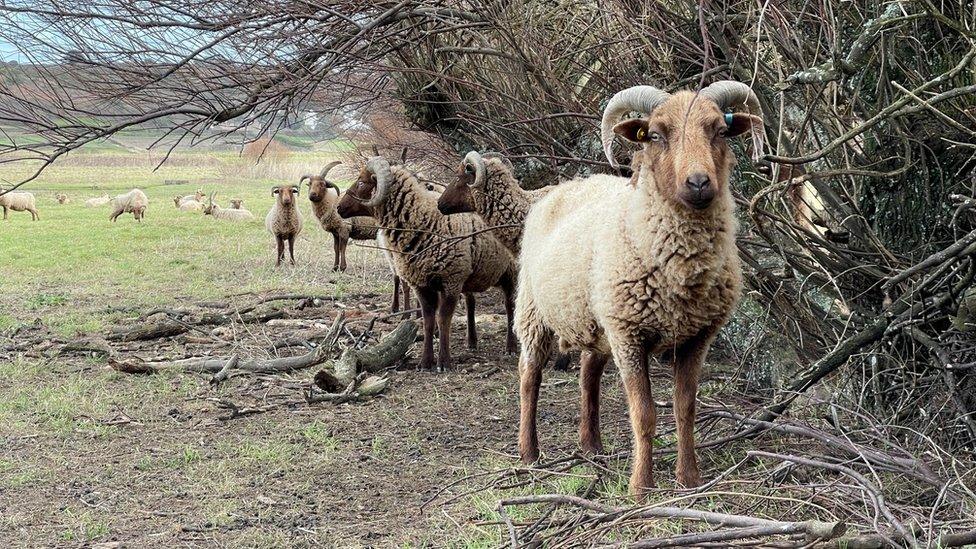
(66, 267)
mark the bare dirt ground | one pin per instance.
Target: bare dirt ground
(96, 456)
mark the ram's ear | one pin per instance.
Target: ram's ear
(634, 130)
(743, 122)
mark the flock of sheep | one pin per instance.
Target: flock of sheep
(618, 267)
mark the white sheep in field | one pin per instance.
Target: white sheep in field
(98, 201)
(135, 202)
(62, 198)
(198, 196)
(225, 214)
(191, 206)
(638, 268)
(19, 202)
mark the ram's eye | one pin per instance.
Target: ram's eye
(723, 132)
(654, 136)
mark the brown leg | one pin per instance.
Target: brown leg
(4, 212)
(34, 216)
(686, 366)
(406, 297)
(632, 362)
(336, 250)
(281, 250)
(445, 312)
(508, 288)
(472, 330)
(291, 248)
(428, 306)
(591, 371)
(396, 294)
(342, 256)
(535, 353)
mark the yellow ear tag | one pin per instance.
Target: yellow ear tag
(641, 134)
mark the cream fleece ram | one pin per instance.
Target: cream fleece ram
(98, 201)
(627, 263)
(19, 202)
(134, 202)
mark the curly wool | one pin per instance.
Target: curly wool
(421, 240)
(18, 202)
(502, 201)
(134, 202)
(284, 221)
(628, 266)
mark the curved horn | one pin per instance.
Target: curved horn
(304, 177)
(643, 99)
(474, 159)
(329, 184)
(380, 168)
(504, 159)
(328, 167)
(729, 94)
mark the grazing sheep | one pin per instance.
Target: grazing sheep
(19, 202)
(284, 220)
(487, 186)
(226, 214)
(641, 268)
(62, 198)
(441, 257)
(134, 202)
(98, 201)
(236, 203)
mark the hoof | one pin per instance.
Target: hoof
(689, 480)
(592, 447)
(529, 456)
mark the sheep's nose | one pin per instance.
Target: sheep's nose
(698, 182)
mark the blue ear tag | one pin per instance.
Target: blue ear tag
(728, 119)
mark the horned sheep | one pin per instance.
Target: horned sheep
(441, 257)
(488, 186)
(62, 198)
(19, 202)
(284, 220)
(648, 267)
(135, 202)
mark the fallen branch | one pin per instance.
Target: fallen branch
(338, 375)
(814, 529)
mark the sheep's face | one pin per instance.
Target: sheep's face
(286, 195)
(139, 212)
(176, 200)
(318, 190)
(458, 196)
(685, 148)
(351, 203)
(236, 203)
(199, 196)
